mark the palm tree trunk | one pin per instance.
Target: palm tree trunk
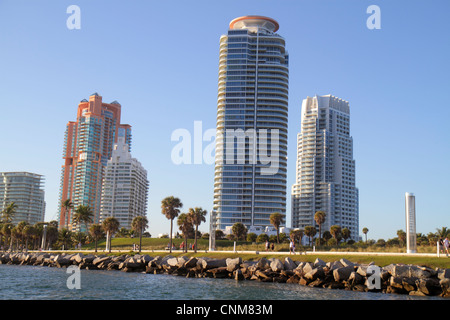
(320, 234)
(140, 240)
(171, 225)
(195, 238)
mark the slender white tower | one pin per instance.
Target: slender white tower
(410, 208)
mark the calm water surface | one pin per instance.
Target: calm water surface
(33, 283)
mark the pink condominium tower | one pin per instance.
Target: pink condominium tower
(88, 145)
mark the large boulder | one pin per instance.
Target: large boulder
(77, 258)
(276, 265)
(289, 264)
(342, 274)
(319, 263)
(233, 263)
(100, 259)
(429, 286)
(347, 263)
(408, 271)
(191, 263)
(443, 274)
(207, 264)
(62, 261)
(334, 265)
(262, 264)
(172, 262)
(307, 267)
(314, 274)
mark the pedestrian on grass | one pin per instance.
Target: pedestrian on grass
(446, 245)
(291, 247)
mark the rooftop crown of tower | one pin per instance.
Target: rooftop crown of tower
(250, 22)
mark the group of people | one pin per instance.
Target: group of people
(444, 245)
(190, 246)
(270, 245)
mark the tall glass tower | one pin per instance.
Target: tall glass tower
(325, 172)
(252, 124)
(88, 145)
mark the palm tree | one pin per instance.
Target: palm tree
(1, 235)
(345, 233)
(139, 224)
(66, 205)
(15, 235)
(276, 219)
(239, 230)
(9, 212)
(319, 217)
(27, 233)
(6, 230)
(197, 216)
(296, 235)
(401, 237)
(336, 232)
(185, 224)
(20, 226)
(170, 207)
(83, 214)
(110, 225)
(96, 232)
(65, 237)
(52, 234)
(443, 232)
(365, 231)
(310, 232)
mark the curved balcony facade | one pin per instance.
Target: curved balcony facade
(252, 101)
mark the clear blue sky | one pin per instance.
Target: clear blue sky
(159, 59)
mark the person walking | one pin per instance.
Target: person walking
(291, 247)
(267, 245)
(446, 245)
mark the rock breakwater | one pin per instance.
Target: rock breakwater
(339, 274)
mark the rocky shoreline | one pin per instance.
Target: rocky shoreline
(340, 274)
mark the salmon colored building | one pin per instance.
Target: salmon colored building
(88, 145)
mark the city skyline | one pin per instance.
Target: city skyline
(395, 78)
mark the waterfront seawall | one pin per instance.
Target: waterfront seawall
(339, 274)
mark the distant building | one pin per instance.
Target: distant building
(26, 190)
(88, 145)
(410, 214)
(325, 170)
(124, 188)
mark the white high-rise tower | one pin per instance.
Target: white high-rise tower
(124, 188)
(325, 171)
(253, 106)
